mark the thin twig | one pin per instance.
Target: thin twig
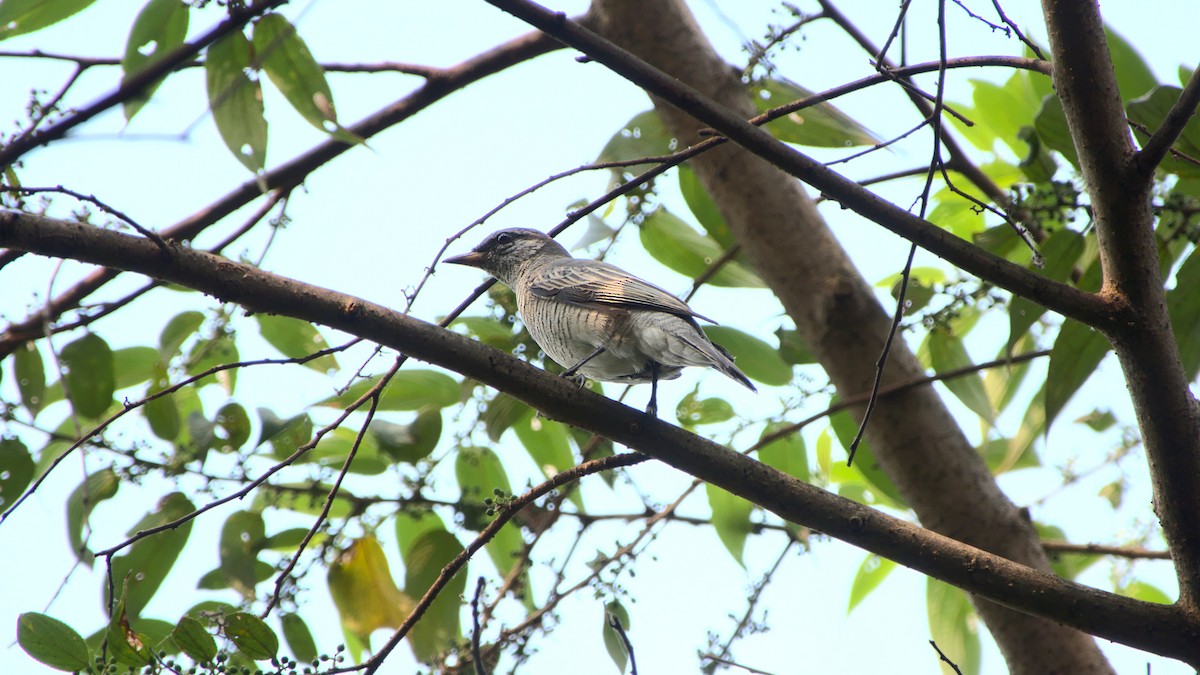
(614, 622)
(476, 653)
(935, 162)
(942, 656)
(282, 578)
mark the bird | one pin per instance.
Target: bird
(595, 319)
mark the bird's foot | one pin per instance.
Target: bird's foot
(578, 379)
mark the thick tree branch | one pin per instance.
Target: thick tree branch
(294, 172)
(1058, 297)
(1120, 192)
(1171, 631)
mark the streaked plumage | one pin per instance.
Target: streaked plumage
(594, 318)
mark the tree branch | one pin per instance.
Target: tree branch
(1158, 145)
(1162, 629)
(291, 174)
(134, 85)
(1061, 298)
(1120, 191)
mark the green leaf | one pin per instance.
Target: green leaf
(642, 136)
(1005, 109)
(731, 520)
(285, 436)
(94, 489)
(176, 332)
(480, 474)
(822, 125)
(242, 537)
(787, 454)
(135, 365)
(998, 455)
(191, 638)
(549, 445)
(1098, 420)
(1038, 165)
(90, 377)
(679, 247)
(208, 354)
(296, 339)
(844, 427)
(52, 642)
(952, 625)
(1183, 305)
(236, 100)
(1051, 126)
(1061, 252)
(158, 30)
(410, 525)
(492, 332)
(438, 630)
(307, 498)
(16, 471)
(18, 17)
(1065, 565)
(615, 612)
(758, 359)
(161, 412)
(299, 638)
(792, 348)
(703, 207)
(1140, 590)
(287, 540)
(1033, 426)
(409, 443)
(254, 638)
(408, 390)
(122, 643)
(31, 377)
(693, 411)
(1151, 111)
(361, 584)
(231, 427)
(291, 66)
(148, 561)
(947, 353)
(1077, 351)
(335, 447)
(501, 413)
(871, 573)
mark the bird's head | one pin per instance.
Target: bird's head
(505, 254)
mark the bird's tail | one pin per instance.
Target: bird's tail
(723, 361)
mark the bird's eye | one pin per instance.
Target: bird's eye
(503, 238)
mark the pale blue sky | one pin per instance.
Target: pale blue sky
(371, 222)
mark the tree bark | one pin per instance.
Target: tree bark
(914, 437)
(1119, 187)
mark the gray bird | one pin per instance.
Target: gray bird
(596, 319)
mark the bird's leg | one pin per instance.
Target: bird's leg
(570, 372)
(652, 406)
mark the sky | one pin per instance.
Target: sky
(371, 223)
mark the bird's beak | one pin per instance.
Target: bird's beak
(472, 259)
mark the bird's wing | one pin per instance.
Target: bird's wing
(592, 283)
